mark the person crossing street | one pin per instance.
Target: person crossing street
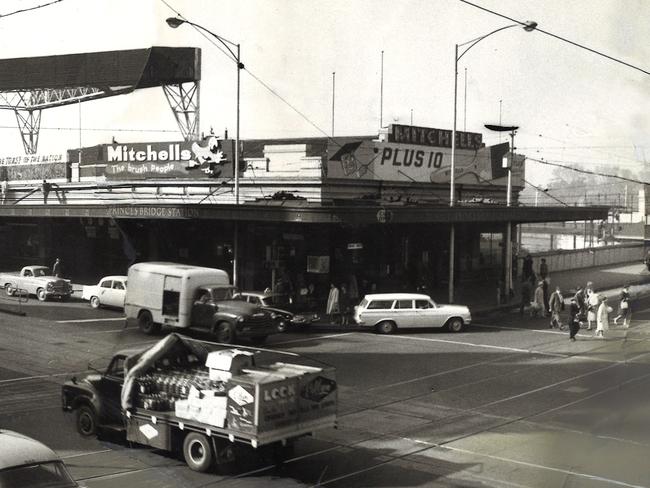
(555, 304)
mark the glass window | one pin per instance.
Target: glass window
(116, 369)
(117, 285)
(421, 304)
(28, 272)
(402, 304)
(106, 284)
(380, 304)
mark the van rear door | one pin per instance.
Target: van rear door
(171, 299)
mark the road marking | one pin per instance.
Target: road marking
(39, 377)
(86, 454)
(314, 338)
(80, 321)
(487, 346)
(520, 328)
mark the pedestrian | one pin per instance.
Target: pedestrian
(624, 311)
(543, 269)
(592, 308)
(555, 307)
(57, 268)
(333, 307)
(527, 267)
(545, 294)
(574, 321)
(526, 293)
(581, 301)
(538, 302)
(602, 322)
(344, 304)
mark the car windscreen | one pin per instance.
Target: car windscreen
(43, 475)
(225, 293)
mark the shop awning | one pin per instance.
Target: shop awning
(309, 213)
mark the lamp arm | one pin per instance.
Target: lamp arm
(474, 42)
(222, 40)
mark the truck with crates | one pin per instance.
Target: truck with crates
(209, 401)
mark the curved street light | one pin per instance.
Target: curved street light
(175, 22)
(528, 26)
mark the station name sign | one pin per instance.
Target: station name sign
(426, 136)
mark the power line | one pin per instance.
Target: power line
(573, 43)
(30, 8)
(586, 171)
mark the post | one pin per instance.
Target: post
(508, 264)
(452, 230)
(333, 98)
(381, 93)
(235, 251)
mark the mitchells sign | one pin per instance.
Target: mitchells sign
(209, 158)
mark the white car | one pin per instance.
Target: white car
(27, 463)
(388, 311)
(109, 292)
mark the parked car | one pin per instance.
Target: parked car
(275, 304)
(27, 463)
(109, 292)
(36, 280)
(387, 312)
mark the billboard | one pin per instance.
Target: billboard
(392, 161)
(33, 167)
(211, 157)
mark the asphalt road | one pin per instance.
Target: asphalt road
(508, 403)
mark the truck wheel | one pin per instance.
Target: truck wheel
(11, 291)
(385, 327)
(224, 332)
(198, 452)
(454, 325)
(86, 421)
(146, 323)
(41, 295)
(94, 302)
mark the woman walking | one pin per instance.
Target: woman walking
(602, 319)
(592, 308)
(624, 311)
(333, 308)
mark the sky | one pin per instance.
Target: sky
(573, 107)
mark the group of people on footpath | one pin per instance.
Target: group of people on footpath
(586, 307)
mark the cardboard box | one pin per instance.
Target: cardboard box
(229, 360)
(182, 409)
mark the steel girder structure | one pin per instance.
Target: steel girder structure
(183, 99)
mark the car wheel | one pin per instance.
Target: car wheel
(224, 332)
(11, 291)
(198, 452)
(94, 302)
(146, 323)
(386, 327)
(455, 325)
(41, 295)
(86, 421)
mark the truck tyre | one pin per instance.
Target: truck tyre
(86, 421)
(94, 302)
(146, 323)
(385, 327)
(198, 453)
(224, 332)
(11, 291)
(454, 325)
(41, 295)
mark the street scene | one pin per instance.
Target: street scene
(343, 244)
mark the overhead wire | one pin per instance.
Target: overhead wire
(30, 8)
(564, 39)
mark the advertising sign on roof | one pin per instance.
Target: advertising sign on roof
(426, 136)
(209, 158)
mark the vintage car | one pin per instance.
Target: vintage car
(275, 304)
(109, 292)
(386, 312)
(36, 280)
(27, 463)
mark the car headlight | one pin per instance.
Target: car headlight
(240, 319)
(274, 315)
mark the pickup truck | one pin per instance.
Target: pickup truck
(213, 403)
(36, 280)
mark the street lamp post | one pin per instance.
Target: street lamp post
(174, 22)
(528, 27)
(508, 244)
